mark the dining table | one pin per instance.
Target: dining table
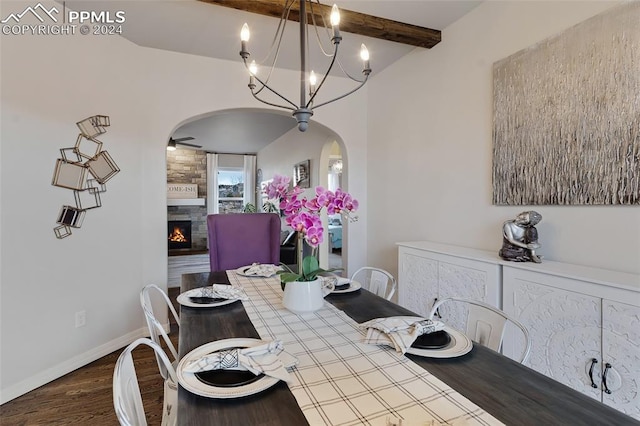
(506, 392)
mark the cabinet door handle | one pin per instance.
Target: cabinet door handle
(607, 366)
(593, 363)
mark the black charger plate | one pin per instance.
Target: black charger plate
(436, 340)
(206, 300)
(227, 378)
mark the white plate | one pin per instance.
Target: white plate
(190, 382)
(242, 269)
(460, 344)
(183, 299)
(355, 285)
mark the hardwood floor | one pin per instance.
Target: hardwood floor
(85, 396)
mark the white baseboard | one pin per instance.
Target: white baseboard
(70, 365)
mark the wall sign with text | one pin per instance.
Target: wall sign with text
(182, 190)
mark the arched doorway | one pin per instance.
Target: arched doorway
(278, 146)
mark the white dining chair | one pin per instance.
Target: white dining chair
(376, 280)
(486, 324)
(156, 329)
(127, 399)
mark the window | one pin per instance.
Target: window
(230, 182)
(230, 190)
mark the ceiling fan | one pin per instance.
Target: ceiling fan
(173, 142)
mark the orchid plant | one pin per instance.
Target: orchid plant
(303, 215)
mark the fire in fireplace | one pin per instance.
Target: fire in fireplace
(179, 234)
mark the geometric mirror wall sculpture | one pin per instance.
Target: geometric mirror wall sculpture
(87, 148)
(87, 200)
(102, 167)
(566, 124)
(94, 125)
(69, 175)
(71, 216)
(84, 169)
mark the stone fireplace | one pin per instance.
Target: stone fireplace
(189, 166)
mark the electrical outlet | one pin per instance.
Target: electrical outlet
(81, 319)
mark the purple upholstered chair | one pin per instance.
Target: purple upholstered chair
(239, 239)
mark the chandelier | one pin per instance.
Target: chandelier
(309, 85)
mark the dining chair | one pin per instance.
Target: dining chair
(127, 399)
(156, 329)
(239, 239)
(486, 324)
(376, 280)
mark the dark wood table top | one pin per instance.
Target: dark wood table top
(509, 391)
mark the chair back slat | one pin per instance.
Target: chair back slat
(157, 331)
(485, 323)
(126, 392)
(127, 399)
(485, 327)
(376, 280)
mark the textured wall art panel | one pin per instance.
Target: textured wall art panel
(567, 116)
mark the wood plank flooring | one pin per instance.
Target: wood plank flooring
(85, 396)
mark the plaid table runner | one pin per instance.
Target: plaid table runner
(340, 380)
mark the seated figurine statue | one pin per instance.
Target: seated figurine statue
(520, 238)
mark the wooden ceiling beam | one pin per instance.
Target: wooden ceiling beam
(350, 22)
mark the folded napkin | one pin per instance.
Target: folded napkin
(398, 332)
(222, 291)
(261, 270)
(261, 359)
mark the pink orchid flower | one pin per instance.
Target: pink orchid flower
(304, 215)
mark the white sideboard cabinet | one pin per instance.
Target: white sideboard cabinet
(429, 271)
(584, 322)
(584, 325)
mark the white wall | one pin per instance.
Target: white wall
(430, 147)
(49, 83)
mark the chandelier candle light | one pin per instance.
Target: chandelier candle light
(308, 81)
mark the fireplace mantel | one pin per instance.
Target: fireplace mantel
(185, 202)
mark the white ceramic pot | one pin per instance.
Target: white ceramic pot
(306, 296)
